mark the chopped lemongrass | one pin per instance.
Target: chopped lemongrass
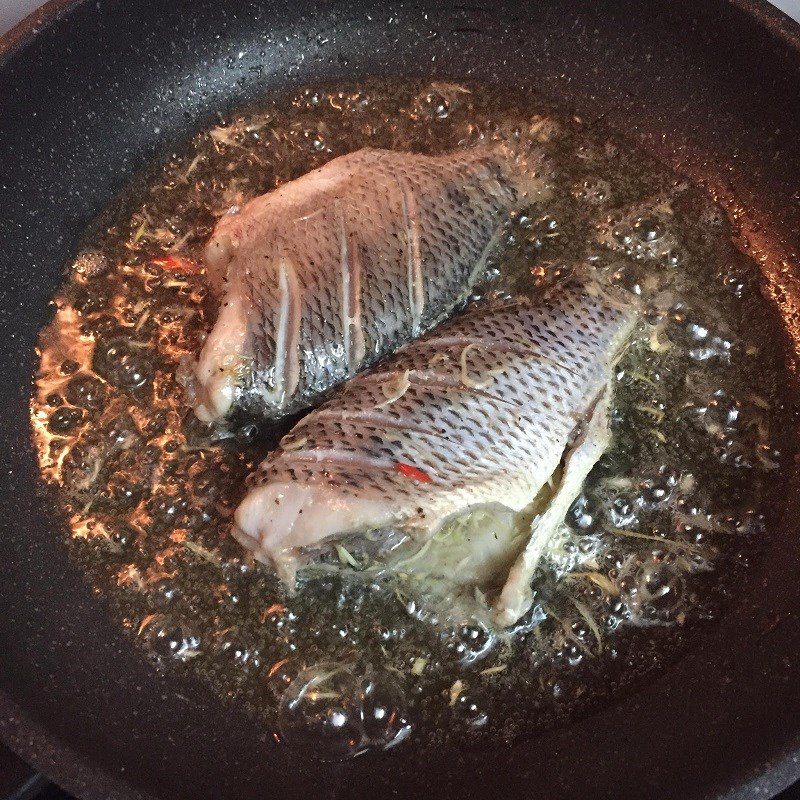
(145, 316)
(395, 388)
(438, 358)
(449, 88)
(656, 413)
(599, 579)
(594, 289)
(345, 557)
(418, 667)
(568, 632)
(659, 343)
(315, 694)
(179, 244)
(641, 377)
(203, 552)
(590, 621)
(139, 232)
(276, 666)
(195, 161)
(704, 522)
(651, 538)
(465, 378)
(145, 622)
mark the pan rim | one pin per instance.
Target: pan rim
(66, 767)
(81, 776)
(29, 27)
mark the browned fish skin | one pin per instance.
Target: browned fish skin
(344, 265)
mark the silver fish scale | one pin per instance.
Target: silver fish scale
(394, 246)
(493, 399)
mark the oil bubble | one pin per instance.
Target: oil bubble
(246, 433)
(123, 364)
(101, 326)
(320, 713)
(658, 592)
(123, 432)
(167, 509)
(280, 676)
(623, 511)
(658, 489)
(531, 619)
(123, 493)
(65, 419)
(434, 106)
(439, 102)
(585, 514)
(82, 465)
(383, 710)
(622, 234)
(469, 643)
(571, 653)
(167, 639)
(672, 257)
(648, 229)
(472, 707)
(238, 653)
(90, 302)
(123, 535)
(85, 391)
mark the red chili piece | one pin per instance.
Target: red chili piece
(183, 266)
(411, 471)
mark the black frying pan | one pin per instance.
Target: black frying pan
(90, 91)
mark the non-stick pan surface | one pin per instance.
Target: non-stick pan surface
(90, 91)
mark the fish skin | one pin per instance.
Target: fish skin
(535, 375)
(326, 274)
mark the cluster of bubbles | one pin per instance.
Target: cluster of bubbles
(331, 712)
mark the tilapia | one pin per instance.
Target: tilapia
(326, 274)
(504, 406)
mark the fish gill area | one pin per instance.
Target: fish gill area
(669, 523)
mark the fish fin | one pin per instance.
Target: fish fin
(516, 596)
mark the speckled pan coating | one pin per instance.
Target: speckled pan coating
(91, 91)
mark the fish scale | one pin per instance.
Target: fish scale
(486, 409)
(328, 273)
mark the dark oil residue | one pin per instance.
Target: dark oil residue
(669, 524)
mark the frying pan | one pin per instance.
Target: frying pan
(92, 91)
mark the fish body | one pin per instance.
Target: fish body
(326, 274)
(499, 406)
